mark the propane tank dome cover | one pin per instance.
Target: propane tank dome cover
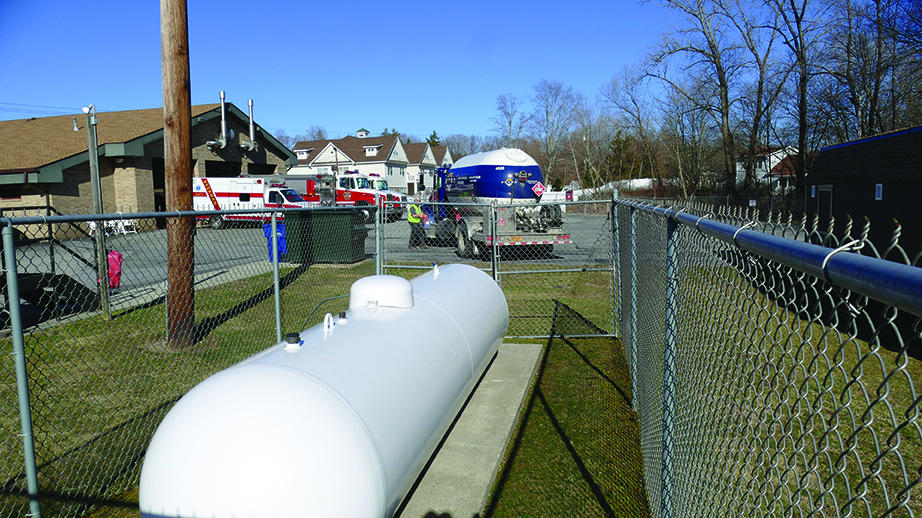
(516, 155)
(381, 291)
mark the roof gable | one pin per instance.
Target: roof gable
(420, 153)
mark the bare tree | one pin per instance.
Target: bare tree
(627, 101)
(286, 140)
(800, 28)
(553, 118)
(713, 56)
(874, 69)
(692, 142)
(463, 145)
(756, 30)
(510, 120)
(317, 133)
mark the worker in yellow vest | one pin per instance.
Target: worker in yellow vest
(415, 218)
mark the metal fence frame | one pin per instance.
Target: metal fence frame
(31, 484)
(31, 474)
(493, 264)
(837, 282)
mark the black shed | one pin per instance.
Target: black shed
(878, 177)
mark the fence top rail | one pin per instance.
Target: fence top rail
(498, 204)
(75, 218)
(895, 284)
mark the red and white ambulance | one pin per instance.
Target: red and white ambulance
(242, 193)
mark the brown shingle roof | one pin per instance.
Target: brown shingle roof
(316, 146)
(415, 151)
(353, 147)
(439, 153)
(32, 143)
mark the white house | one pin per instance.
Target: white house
(422, 166)
(384, 156)
(773, 166)
(403, 165)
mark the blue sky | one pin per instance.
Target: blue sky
(413, 66)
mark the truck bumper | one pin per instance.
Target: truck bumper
(513, 240)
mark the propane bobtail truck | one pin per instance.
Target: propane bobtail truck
(511, 181)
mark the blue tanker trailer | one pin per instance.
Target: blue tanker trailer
(510, 180)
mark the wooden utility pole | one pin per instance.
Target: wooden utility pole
(177, 143)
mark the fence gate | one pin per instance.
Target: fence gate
(540, 273)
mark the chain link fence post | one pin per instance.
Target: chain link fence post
(633, 266)
(494, 245)
(669, 365)
(379, 226)
(275, 278)
(22, 380)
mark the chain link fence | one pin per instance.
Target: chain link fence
(540, 254)
(776, 366)
(100, 363)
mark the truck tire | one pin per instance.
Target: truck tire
(367, 210)
(217, 222)
(557, 215)
(464, 246)
(553, 214)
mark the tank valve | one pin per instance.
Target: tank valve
(294, 342)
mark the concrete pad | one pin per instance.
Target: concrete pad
(462, 472)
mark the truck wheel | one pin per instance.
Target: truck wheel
(367, 211)
(557, 215)
(553, 214)
(216, 222)
(463, 241)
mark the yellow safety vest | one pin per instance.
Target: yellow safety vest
(414, 213)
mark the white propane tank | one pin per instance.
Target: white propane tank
(339, 424)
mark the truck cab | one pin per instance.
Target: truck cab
(396, 201)
(280, 196)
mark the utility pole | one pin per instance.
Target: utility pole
(177, 140)
(102, 262)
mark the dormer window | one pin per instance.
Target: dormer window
(372, 150)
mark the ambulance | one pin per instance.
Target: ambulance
(242, 193)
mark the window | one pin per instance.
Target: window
(244, 196)
(879, 191)
(11, 191)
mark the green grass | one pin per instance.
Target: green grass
(576, 451)
(99, 388)
(789, 413)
